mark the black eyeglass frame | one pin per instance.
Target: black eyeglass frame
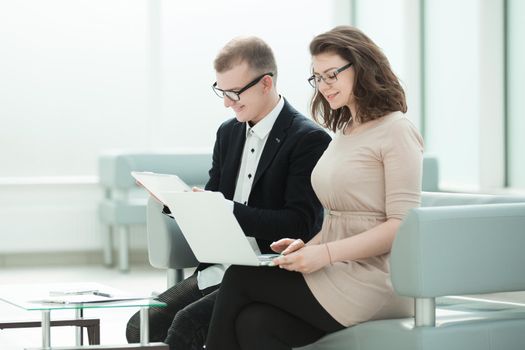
(223, 93)
(314, 80)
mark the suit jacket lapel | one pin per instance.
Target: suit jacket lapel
(275, 140)
(233, 158)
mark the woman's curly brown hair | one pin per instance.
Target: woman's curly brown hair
(376, 90)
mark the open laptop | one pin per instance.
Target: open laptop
(207, 222)
(157, 184)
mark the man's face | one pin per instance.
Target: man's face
(252, 103)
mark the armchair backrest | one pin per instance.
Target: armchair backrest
(115, 167)
(430, 181)
(167, 247)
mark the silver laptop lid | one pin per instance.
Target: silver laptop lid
(212, 231)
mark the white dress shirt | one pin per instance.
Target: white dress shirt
(256, 138)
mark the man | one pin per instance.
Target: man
(262, 162)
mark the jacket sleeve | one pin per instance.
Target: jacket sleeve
(215, 171)
(301, 214)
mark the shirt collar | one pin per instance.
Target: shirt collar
(263, 128)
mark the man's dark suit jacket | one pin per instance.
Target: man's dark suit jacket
(282, 202)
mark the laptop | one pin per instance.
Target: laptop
(207, 222)
(157, 184)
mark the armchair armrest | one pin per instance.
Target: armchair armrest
(167, 247)
(453, 250)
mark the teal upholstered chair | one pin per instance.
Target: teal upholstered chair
(167, 247)
(430, 181)
(124, 203)
(454, 245)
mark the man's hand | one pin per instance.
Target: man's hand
(305, 260)
(286, 245)
(197, 189)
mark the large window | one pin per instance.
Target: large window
(81, 77)
(73, 82)
(395, 27)
(516, 93)
(192, 35)
(464, 99)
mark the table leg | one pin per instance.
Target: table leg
(144, 326)
(46, 329)
(79, 331)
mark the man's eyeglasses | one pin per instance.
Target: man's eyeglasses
(236, 95)
(329, 78)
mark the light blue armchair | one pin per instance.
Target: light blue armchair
(124, 203)
(454, 245)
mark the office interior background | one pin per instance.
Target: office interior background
(79, 78)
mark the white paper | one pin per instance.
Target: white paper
(157, 184)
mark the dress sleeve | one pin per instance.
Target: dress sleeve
(402, 153)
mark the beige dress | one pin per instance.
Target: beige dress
(363, 179)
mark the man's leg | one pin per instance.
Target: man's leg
(190, 326)
(160, 318)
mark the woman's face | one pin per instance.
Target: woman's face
(338, 92)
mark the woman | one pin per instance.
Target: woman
(368, 179)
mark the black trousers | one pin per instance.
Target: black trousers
(183, 324)
(266, 308)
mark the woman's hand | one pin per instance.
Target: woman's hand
(286, 245)
(197, 189)
(305, 260)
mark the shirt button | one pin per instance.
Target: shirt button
(252, 150)
(244, 202)
(249, 176)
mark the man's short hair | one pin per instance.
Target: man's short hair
(252, 50)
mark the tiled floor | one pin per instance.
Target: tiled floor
(141, 280)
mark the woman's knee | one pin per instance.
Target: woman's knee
(252, 324)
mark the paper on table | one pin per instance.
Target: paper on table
(87, 298)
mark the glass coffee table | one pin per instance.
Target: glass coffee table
(78, 296)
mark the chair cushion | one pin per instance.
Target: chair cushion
(455, 330)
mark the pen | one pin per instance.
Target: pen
(80, 292)
(73, 292)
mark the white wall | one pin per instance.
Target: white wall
(53, 217)
(78, 77)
